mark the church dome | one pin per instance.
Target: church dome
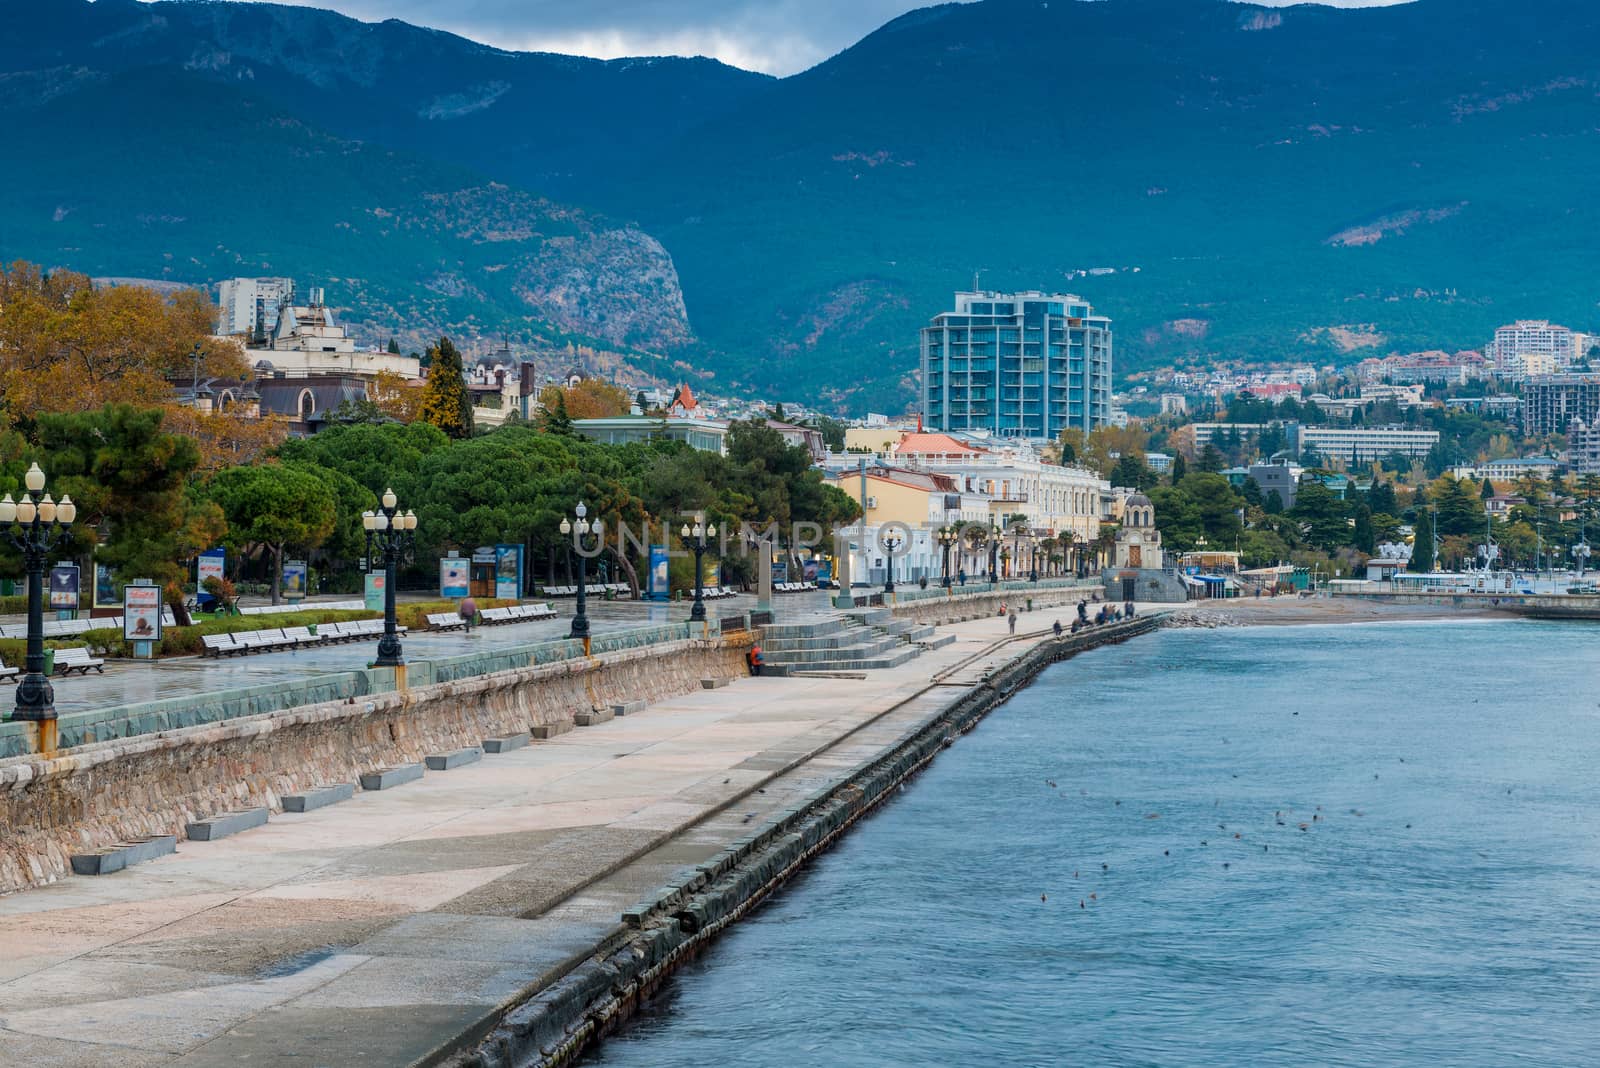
(1139, 500)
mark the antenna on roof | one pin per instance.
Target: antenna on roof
(977, 277)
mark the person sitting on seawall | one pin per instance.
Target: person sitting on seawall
(754, 659)
(1003, 610)
(1083, 611)
(1127, 610)
(1057, 628)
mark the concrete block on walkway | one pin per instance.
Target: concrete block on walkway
(124, 855)
(714, 684)
(545, 731)
(458, 759)
(627, 708)
(320, 797)
(227, 823)
(507, 742)
(388, 777)
(593, 717)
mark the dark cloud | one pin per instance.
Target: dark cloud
(776, 36)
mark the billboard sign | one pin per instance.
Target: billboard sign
(455, 575)
(105, 589)
(141, 613)
(376, 583)
(508, 571)
(209, 564)
(294, 580)
(64, 587)
(658, 586)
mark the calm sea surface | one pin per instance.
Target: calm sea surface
(1160, 904)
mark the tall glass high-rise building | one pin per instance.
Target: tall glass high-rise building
(1019, 365)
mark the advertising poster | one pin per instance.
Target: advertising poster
(141, 613)
(713, 575)
(294, 580)
(376, 584)
(208, 565)
(780, 571)
(455, 574)
(824, 572)
(508, 571)
(105, 590)
(658, 586)
(64, 587)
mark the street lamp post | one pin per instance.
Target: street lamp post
(891, 545)
(578, 530)
(994, 555)
(695, 538)
(393, 532)
(34, 526)
(948, 537)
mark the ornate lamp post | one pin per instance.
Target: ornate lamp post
(35, 526)
(1033, 558)
(578, 530)
(696, 540)
(948, 536)
(994, 555)
(392, 531)
(891, 545)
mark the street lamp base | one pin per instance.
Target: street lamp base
(389, 652)
(36, 699)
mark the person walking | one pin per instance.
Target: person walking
(468, 611)
(1057, 628)
(755, 660)
(1012, 620)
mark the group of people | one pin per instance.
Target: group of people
(1107, 613)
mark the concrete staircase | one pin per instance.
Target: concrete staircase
(860, 640)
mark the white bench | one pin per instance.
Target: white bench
(79, 660)
(9, 674)
(445, 621)
(218, 645)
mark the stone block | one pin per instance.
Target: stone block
(593, 717)
(458, 759)
(627, 708)
(227, 823)
(389, 777)
(545, 731)
(507, 743)
(714, 684)
(319, 797)
(124, 855)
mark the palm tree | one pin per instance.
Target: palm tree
(1065, 540)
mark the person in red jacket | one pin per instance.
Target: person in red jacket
(753, 658)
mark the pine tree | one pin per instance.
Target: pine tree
(556, 420)
(1487, 491)
(394, 347)
(1179, 469)
(445, 401)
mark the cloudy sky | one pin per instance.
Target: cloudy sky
(775, 36)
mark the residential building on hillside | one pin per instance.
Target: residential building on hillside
(1509, 469)
(1503, 406)
(1282, 479)
(309, 340)
(1018, 365)
(1534, 346)
(1174, 404)
(707, 435)
(1435, 366)
(1550, 402)
(249, 306)
(1192, 438)
(1406, 396)
(1583, 447)
(1358, 443)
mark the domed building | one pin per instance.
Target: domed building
(1139, 570)
(1139, 542)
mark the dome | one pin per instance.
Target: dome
(1139, 500)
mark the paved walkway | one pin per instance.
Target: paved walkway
(127, 682)
(369, 932)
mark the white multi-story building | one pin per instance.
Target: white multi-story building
(250, 306)
(1363, 444)
(1583, 447)
(308, 340)
(1174, 404)
(1534, 347)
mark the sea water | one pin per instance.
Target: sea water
(1322, 845)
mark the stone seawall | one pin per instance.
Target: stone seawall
(958, 607)
(555, 1024)
(107, 792)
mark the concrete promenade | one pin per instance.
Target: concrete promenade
(392, 928)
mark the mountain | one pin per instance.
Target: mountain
(194, 141)
(1226, 180)
(1265, 183)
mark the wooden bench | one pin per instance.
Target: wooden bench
(79, 660)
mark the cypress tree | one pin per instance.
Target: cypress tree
(445, 401)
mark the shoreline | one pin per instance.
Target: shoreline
(1326, 611)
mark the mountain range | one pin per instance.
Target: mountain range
(1226, 180)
